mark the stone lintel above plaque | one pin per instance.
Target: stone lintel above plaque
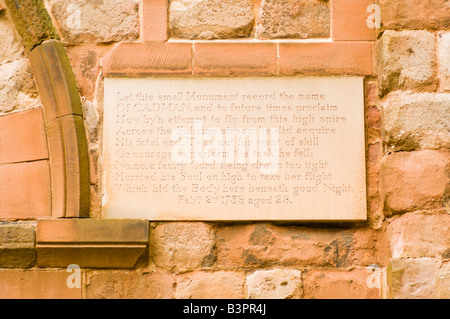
(240, 58)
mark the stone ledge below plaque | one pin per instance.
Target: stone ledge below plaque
(91, 243)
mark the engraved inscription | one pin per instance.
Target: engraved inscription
(234, 149)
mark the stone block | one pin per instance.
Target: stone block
(210, 19)
(416, 121)
(407, 61)
(274, 284)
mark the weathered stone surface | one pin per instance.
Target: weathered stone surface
(443, 282)
(82, 21)
(406, 60)
(333, 284)
(17, 245)
(418, 235)
(17, 88)
(37, 284)
(129, 285)
(182, 245)
(85, 61)
(10, 46)
(415, 180)
(32, 22)
(210, 19)
(412, 278)
(210, 285)
(416, 121)
(274, 284)
(294, 19)
(265, 245)
(415, 14)
(444, 60)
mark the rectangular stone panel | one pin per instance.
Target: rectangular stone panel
(289, 148)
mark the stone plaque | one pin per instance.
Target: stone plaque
(234, 149)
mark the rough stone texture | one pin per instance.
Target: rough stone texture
(210, 19)
(85, 61)
(444, 60)
(17, 87)
(129, 285)
(10, 46)
(210, 285)
(406, 60)
(418, 235)
(264, 245)
(412, 278)
(443, 282)
(415, 180)
(82, 21)
(294, 19)
(182, 245)
(415, 14)
(32, 22)
(416, 121)
(17, 245)
(274, 284)
(332, 284)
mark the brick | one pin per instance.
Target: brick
(418, 235)
(351, 58)
(349, 20)
(371, 93)
(415, 14)
(150, 58)
(444, 61)
(129, 285)
(36, 284)
(154, 21)
(22, 137)
(235, 59)
(264, 245)
(55, 81)
(415, 180)
(412, 278)
(182, 245)
(69, 166)
(274, 284)
(416, 121)
(25, 190)
(374, 153)
(17, 245)
(91, 243)
(334, 284)
(406, 61)
(210, 285)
